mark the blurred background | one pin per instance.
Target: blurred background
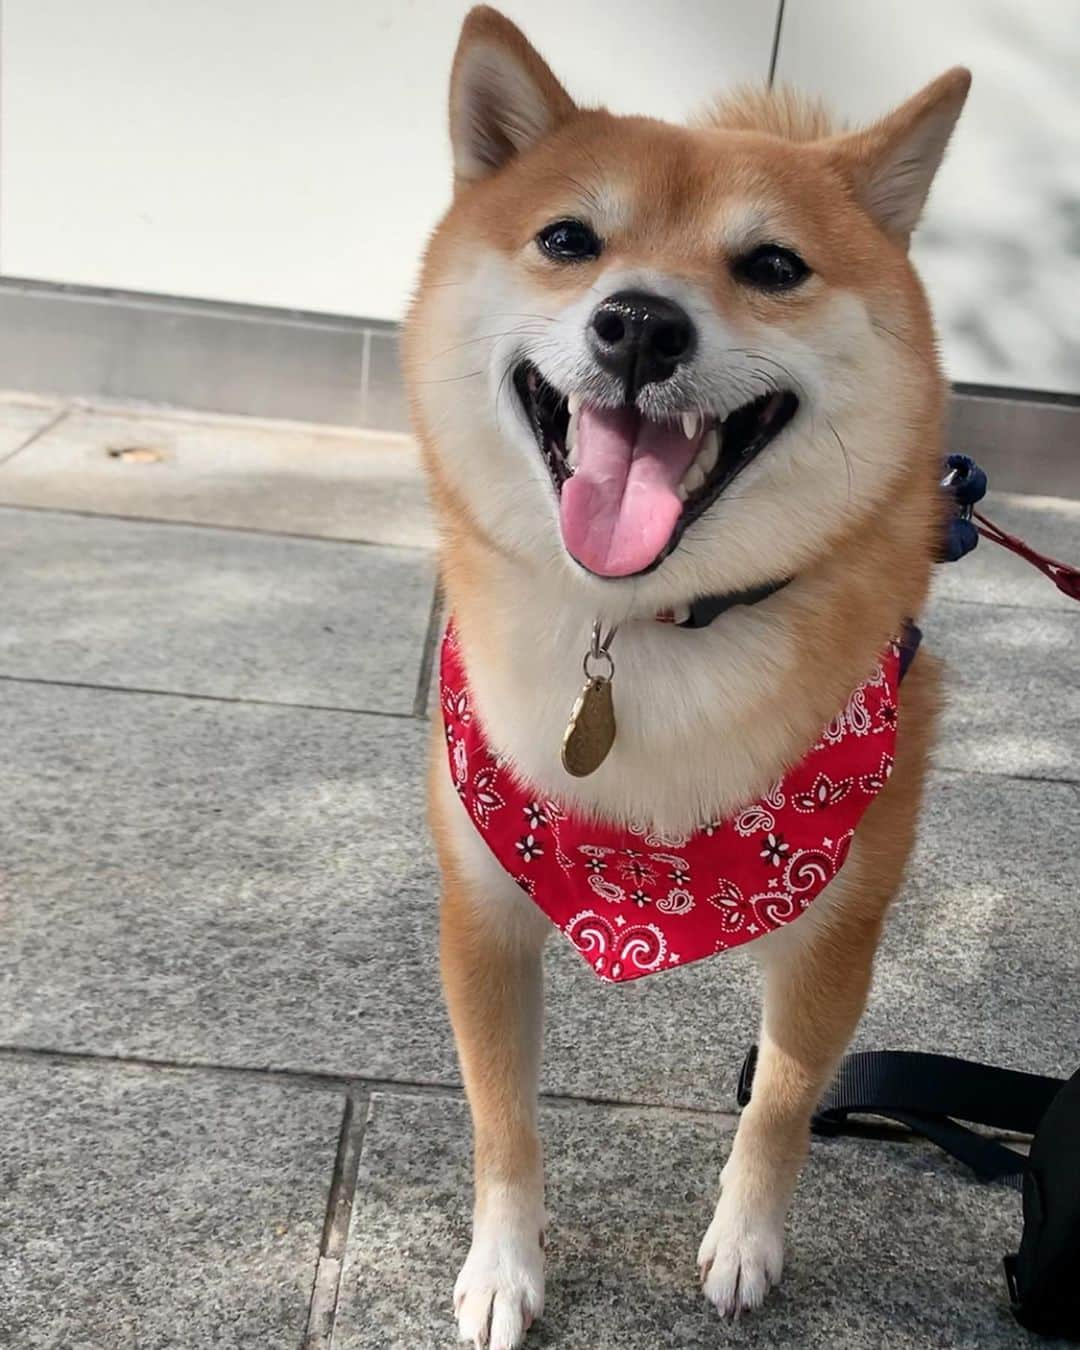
(171, 171)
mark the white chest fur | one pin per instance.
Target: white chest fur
(698, 729)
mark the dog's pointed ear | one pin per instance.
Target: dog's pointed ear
(893, 163)
(503, 97)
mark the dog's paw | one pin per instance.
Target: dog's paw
(741, 1257)
(500, 1290)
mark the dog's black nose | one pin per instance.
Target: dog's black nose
(640, 338)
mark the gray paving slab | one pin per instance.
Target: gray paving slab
(143, 1210)
(21, 417)
(981, 954)
(246, 885)
(993, 574)
(239, 472)
(1012, 688)
(889, 1244)
(204, 882)
(214, 612)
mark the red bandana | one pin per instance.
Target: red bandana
(633, 900)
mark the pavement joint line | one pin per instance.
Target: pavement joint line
(106, 406)
(172, 523)
(322, 1310)
(351, 1084)
(207, 698)
(411, 716)
(968, 772)
(37, 435)
(427, 659)
(980, 602)
(322, 1307)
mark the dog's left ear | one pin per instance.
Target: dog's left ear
(893, 163)
(503, 96)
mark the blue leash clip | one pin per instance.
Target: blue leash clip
(965, 483)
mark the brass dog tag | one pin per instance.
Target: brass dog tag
(590, 733)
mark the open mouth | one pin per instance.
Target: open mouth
(628, 487)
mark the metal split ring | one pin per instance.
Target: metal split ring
(590, 673)
(599, 652)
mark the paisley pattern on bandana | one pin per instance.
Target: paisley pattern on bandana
(634, 900)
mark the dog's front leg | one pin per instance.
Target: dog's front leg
(492, 937)
(816, 981)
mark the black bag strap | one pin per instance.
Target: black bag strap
(929, 1094)
(1041, 1276)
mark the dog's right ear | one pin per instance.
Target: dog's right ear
(503, 97)
(893, 163)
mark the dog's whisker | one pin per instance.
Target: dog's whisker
(523, 331)
(847, 458)
(452, 379)
(883, 328)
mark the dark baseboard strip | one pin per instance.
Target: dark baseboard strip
(1025, 443)
(199, 354)
(258, 362)
(1014, 394)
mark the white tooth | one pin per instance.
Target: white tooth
(690, 423)
(681, 492)
(694, 478)
(709, 452)
(574, 404)
(571, 432)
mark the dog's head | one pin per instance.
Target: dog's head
(671, 361)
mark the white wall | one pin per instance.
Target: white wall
(288, 152)
(292, 152)
(1000, 246)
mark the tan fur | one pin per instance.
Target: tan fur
(487, 982)
(816, 988)
(850, 508)
(780, 111)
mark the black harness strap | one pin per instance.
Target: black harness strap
(710, 607)
(929, 1094)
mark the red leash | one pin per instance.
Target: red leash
(1065, 577)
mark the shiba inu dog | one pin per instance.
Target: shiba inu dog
(651, 364)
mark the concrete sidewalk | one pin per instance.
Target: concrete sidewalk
(231, 1109)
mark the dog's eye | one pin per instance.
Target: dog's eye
(569, 241)
(772, 268)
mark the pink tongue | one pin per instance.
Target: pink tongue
(619, 509)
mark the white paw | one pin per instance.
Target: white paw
(500, 1291)
(741, 1257)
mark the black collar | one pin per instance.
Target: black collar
(710, 607)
